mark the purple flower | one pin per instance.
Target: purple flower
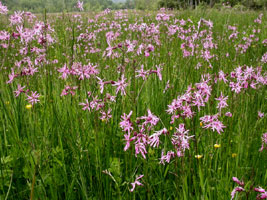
(260, 114)
(80, 5)
(121, 85)
(264, 141)
(235, 190)
(86, 105)
(19, 90)
(222, 102)
(126, 123)
(136, 182)
(33, 98)
(3, 9)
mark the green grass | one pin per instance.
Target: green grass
(55, 150)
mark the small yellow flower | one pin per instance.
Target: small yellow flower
(171, 128)
(201, 124)
(234, 155)
(29, 106)
(7, 102)
(198, 156)
(217, 145)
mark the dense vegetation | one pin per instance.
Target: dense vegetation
(96, 5)
(133, 105)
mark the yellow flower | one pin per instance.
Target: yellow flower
(29, 106)
(234, 155)
(217, 145)
(171, 128)
(201, 124)
(198, 156)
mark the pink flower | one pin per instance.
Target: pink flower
(80, 5)
(260, 114)
(19, 90)
(140, 148)
(213, 123)
(33, 98)
(11, 76)
(16, 18)
(241, 183)
(3, 9)
(264, 141)
(136, 182)
(121, 85)
(106, 115)
(141, 73)
(235, 190)
(86, 105)
(126, 123)
(263, 193)
(150, 119)
(64, 71)
(222, 102)
(167, 157)
(228, 114)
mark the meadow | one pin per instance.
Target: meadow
(133, 105)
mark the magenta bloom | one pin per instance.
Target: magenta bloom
(86, 105)
(264, 141)
(263, 193)
(235, 190)
(19, 90)
(241, 183)
(121, 85)
(136, 182)
(33, 98)
(260, 114)
(3, 9)
(126, 123)
(212, 122)
(80, 5)
(222, 102)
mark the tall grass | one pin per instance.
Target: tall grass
(56, 150)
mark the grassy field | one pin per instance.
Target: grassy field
(133, 105)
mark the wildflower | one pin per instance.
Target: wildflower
(28, 106)
(150, 119)
(19, 90)
(198, 156)
(222, 102)
(228, 114)
(263, 193)
(167, 157)
(80, 5)
(264, 141)
(3, 9)
(213, 123)
(141, 73)
(126, 123)
(260, 114)
(106, 115)
(64, 71)
(86, 105)
(217, 146)
(238, 188)
(171, 128)
(235, 190)
(241, 183)
(201, 124)
(121, 85)
(33, 98)
(234, 155)
(136, 182)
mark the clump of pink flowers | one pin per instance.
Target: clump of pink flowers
(3, 9)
